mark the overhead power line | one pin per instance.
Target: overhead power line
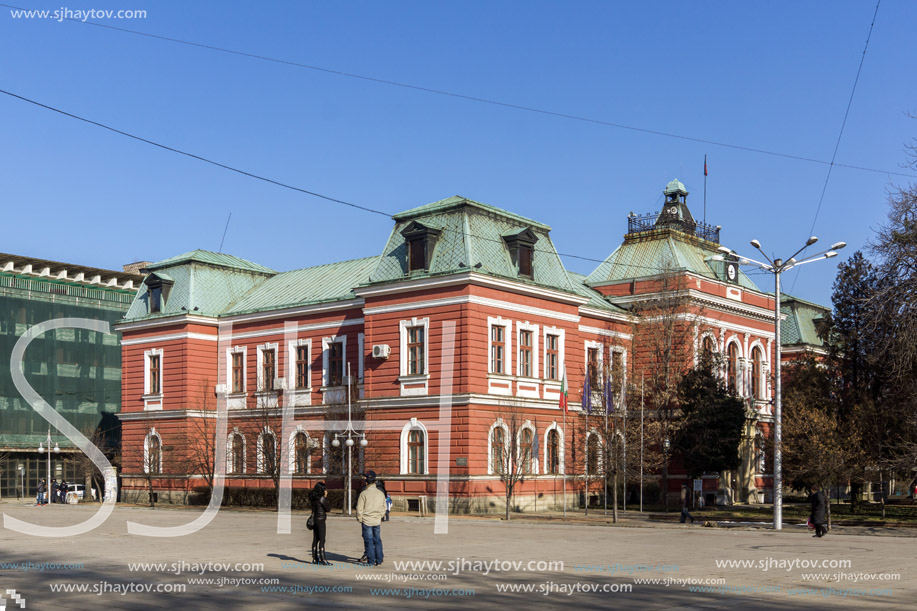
(521, 107)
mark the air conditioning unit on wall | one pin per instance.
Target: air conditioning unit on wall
(381, 351)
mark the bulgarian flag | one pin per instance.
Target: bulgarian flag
(563, 391)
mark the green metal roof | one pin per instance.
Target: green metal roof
(655, 252)
(331, 282)
(212, 258)
(457, 201)
(676, 186)
(596, 299)
(800, 323)
(472, 239)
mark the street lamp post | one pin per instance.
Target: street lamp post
(41, 450)
(348, 436)
(777, 267)
(665, 472)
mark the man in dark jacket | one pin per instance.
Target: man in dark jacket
(40, 499)
(818, 517)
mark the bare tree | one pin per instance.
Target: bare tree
(513, 448)
(201, 442)
(105, 441)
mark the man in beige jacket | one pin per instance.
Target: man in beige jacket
(370, 509)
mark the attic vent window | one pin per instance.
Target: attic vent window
(158, 289)
(521, 245)
(420, 241)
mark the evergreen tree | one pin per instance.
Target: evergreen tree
(712, 421)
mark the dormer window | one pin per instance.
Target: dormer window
(521, 245)
(420, 240)
(158, 288)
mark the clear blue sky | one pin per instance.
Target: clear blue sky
(773, 76)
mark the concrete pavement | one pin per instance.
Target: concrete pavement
(484, 563)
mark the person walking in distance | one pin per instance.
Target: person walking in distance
(320, 508)
(40, 499)
(685, 499)
(370, 509)
(818, 516)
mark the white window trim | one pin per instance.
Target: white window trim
(146, 450)
(152, 401)
(600, 366)
(236, 400)
(419, 383)
(527, 425)
(526, 326)
(229, 455)
(740, 364)
(412, 425)
(291, 370)
(491, 470)
(765, 369)
(601, 462)
(292, 450)
(260, 467)
(546, 331)
(326, 374)
(275, 384)
(560, 448)
(619, 388)
(499, 321)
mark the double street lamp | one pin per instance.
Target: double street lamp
(41, 450)
(349, 435)
(777, 267)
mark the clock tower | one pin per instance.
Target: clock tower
(675, 213)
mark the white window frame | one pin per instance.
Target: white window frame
(414, 384)
(740, 364)
(498, 423)
(601, 462)
(507, 325)
(527, 425)
(259, 459)
(560, 448)
(533, 328)
(153, 401)
(326, 354)
(546, 331)
(292, 450)
(229, 455)
(146, 450)
(298, 396)
(236, 400)
(414, 425)
(765, 370)
(600, 371)
(276, 383)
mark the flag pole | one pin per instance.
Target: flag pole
(563, 398)
(641, 443)
(705, 189)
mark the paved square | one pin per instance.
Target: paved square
(614, 556)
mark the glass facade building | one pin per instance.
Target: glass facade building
(76, 371)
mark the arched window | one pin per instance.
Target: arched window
(498, 450)
(416, 452)
(525, 450)
(709, 348)
(592, 455)
(732, 366)
(267, 453)
(301, 454)
(553, 452)
(757, 380)
(152, 452)
(237, 455)
(155, 456)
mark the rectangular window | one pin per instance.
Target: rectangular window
(268, 367)
(552, 358)
(525, 354)
(238, 372)
(416, 351)
(417, 254)
(525, 260)
(335, 364)
(155, 375)
(593, 364)
(617, 371)
(497, 348)
(302, 367)
(155, 299)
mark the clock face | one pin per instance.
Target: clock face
(731, 271)
(673, 210)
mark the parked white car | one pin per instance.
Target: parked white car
(75, 492)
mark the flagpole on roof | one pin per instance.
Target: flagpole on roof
(705, 189)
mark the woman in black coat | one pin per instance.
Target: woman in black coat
(818, 517)
(320, 508)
